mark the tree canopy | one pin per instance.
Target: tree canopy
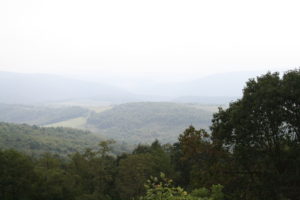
(261, 131)
(251, 153)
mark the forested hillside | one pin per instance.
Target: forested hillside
(133, 122)
(251, 153)
(35, 141)
(146, 121)
(39, 115)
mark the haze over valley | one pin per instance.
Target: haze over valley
(137, 116)
(149, 100)
(20, 88)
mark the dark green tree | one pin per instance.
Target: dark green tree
(135, 169)
(261, 131)
(95, 172)
(197, 161)
(16, 176)
(54, 181)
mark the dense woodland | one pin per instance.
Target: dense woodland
(39, 115)
(138, 122)
(34, 140)
(141, 122)
(252, 152)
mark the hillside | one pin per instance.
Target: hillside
(144, 122)
(39, 115)
(35, 140)
(131, 122)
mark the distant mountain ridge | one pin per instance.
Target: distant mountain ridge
(220, 85)
(18, 88)
(212, 100)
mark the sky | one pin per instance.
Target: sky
(157, 40)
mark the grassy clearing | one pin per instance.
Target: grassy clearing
(79, 123)
(99, 109)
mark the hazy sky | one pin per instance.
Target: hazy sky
(154, 39)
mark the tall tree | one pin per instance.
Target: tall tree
(261, 130)
(16, 176)
(198, 162)
(135, 169)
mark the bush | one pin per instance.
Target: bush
(163, 189)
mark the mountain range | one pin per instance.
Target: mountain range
(18, 88)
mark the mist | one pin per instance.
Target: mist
(136, 42)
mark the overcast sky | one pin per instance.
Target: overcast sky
(153, 39)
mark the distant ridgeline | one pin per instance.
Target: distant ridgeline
(252, 152)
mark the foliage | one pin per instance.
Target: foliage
(88, 175)
(261, 131)
(35, 140)
(197, 161)
(135, 169)
(16, 175)
(95, 171)
(162, 189)
(253, 151)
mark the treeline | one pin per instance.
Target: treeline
(94, 175)
(252, 153)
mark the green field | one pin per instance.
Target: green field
(78, 123)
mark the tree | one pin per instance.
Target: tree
(189, 152)
(261, 131)
(16, 176)
(95, 172)
(198, 162)
(54, 182)
(135, 169)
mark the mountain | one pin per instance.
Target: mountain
(213, 89)
(145, 121)
(39, 115)
(229, 84)
(208, 100)
(18, 88)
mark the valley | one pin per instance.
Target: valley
(140, 122)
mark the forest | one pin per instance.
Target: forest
(142, 122)
(251, 152)
(136, 122)
(34, 140)
(39, 115)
